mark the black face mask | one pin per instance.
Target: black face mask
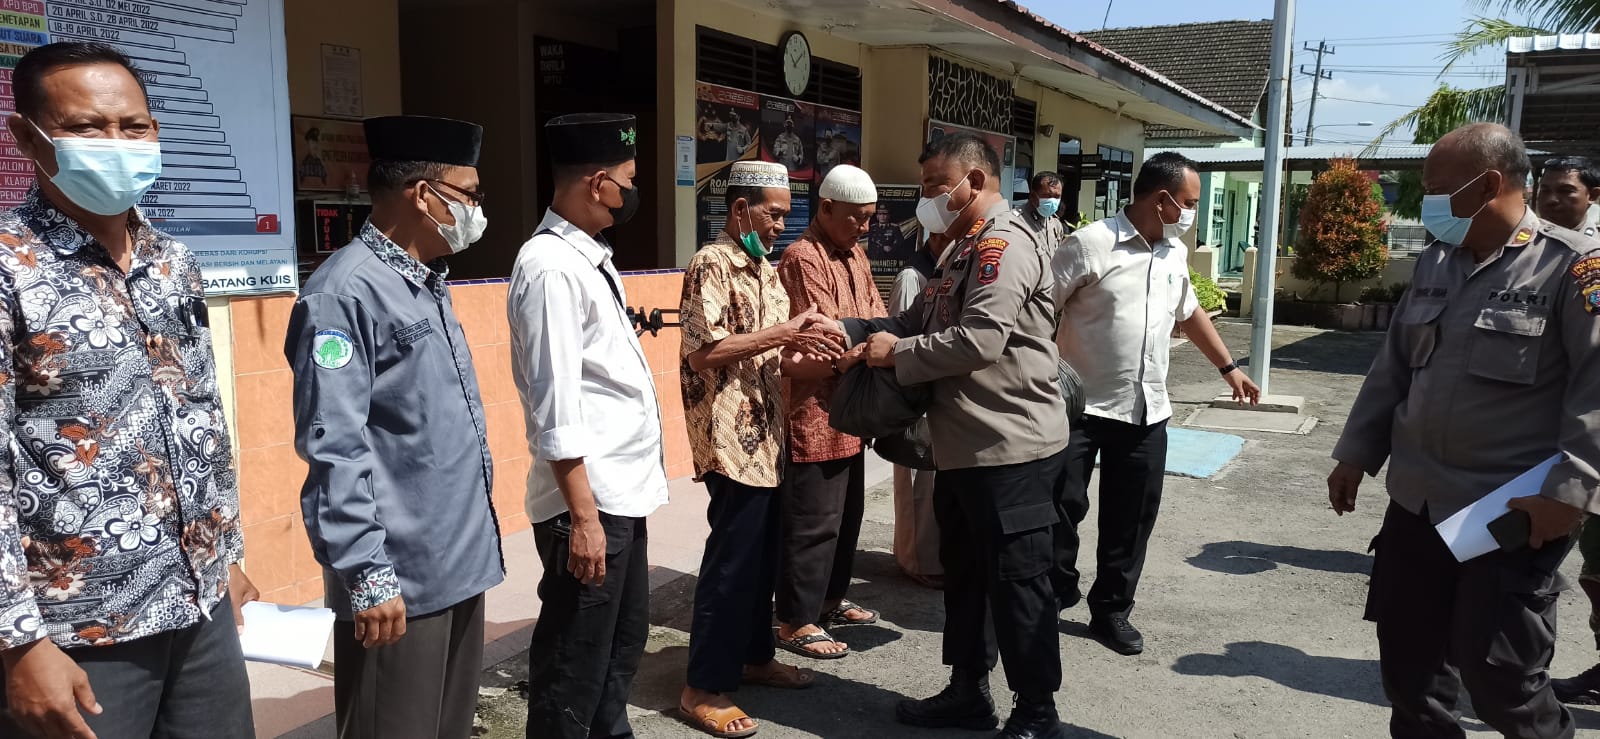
(630, 204)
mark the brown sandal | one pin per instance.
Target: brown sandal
(785, 677)
(715, 721)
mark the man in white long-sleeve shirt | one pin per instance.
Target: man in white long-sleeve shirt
(594, 429)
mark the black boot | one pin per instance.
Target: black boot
(964, 703)
(1032, 720)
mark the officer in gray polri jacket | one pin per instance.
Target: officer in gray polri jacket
(981, 331)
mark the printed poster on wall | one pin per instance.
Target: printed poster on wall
(894, 236)
(217, 84)
(1005, 146)
(788, 137)
(341, 81)
(329, 155)
(838, 139)
(725, 132)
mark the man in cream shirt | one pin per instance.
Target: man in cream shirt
(594, 429)
(1121, 284)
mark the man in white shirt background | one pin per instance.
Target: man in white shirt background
(594, 429)
(1121, 284)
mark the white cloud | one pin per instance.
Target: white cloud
(1339, 87)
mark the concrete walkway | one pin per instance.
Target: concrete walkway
(298, 703)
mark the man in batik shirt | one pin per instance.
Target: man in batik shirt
(119, 509)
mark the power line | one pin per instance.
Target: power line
(1403, 73)
(1400, 36)
(1419, 66)
(1367, 102)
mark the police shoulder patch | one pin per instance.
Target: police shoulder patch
(1523, 236)
(1586, 276)
(332, 349)
(990, 252)
(1587, 268)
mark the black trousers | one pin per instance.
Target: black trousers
(589, 638)
(732, 625)
(995, 547)
(1487, 624)
(1133, 460)
(424, 686)
(820, 517)
(185, 684)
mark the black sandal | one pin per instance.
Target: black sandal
(798, 645)
(836, 617)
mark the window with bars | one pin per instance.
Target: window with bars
(745, 64)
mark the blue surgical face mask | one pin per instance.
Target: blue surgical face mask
(1442, 222)
(104, 176)
(1049, 206)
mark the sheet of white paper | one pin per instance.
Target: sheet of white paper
(285, 635)
(1467, 532)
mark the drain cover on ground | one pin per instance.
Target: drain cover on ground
(1231, 420)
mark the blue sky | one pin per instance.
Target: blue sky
(1387, 51)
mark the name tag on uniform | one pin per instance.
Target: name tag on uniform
(414, 333)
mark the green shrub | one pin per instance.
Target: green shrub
(1341, 228)
(1384, 293)
(1210, 296)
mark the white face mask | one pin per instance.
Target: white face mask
(468, 228)
(1185, 221)
(934, 213)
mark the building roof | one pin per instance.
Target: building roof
(1005, 36)
(1252, 158)
(1227, 62)
(1149, 71)
(1553, 92)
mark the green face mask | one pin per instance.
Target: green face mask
(751, 242)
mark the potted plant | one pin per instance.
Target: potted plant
(1341, 235)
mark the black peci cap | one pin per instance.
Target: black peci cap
(591, 138)
(417, 138)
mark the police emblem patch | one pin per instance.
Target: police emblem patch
(989, 253)
(944, 288)
(332, 349)
(1586, 274)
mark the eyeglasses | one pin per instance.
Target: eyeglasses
(476, 196)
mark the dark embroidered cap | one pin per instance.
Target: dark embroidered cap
(417, 138)
(591, 138)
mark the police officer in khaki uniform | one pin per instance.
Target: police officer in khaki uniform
(981, 332)
(1043, 207)
(1491, 366)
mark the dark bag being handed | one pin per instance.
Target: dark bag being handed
(870, 403)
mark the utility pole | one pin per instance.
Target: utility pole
(1316, 77)
(1272, 194)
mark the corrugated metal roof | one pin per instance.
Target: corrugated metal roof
(1558, 42)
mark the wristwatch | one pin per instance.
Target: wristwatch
(1229, 367)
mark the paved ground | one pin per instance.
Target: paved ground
(1250, 604)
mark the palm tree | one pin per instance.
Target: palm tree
(1451, 107)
